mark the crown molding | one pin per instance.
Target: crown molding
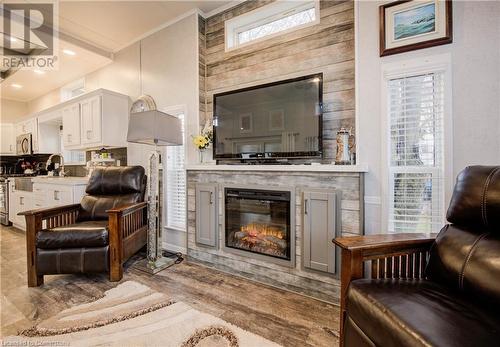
(222, 8)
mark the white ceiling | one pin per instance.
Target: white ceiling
(70, 69)
(114, 24)
(108, 26)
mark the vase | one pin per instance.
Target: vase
(201, 153)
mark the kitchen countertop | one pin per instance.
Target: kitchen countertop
(68, 180)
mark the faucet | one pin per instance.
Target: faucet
(61, 166)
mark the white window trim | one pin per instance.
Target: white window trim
(403, 68)
(175, 111)
(262, 15)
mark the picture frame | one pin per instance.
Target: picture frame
(246, 123)
(277, 120)
(409, 25)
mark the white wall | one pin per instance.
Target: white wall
(170, 76)
(475, 54)
(12, 111)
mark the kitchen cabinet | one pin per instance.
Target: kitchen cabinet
(319, 226)
(71, 125)
(7, 139)
(91, 120)
(29, 126)
(98, 119)
(52, 195)
(19, 201)
(206, 214)
(47, 192)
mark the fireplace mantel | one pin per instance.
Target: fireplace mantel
(286, 168)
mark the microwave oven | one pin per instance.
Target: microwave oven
(24, 144)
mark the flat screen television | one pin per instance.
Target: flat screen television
(271, 121)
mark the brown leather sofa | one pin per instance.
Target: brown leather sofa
(425, 291)
(97, 235)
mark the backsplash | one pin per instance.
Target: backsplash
(80, 171)
(9, 162)
(116, 153)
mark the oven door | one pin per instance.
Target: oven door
(24, 144)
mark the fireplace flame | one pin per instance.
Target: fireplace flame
(262, 230)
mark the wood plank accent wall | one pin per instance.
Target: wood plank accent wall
(327, 47)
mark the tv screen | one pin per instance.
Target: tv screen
(277, 120)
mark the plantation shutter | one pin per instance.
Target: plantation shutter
(416, 165)
(176, 185)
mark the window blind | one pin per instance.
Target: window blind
(416, 165)
(176, 185)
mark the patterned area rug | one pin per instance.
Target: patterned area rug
(133, 314)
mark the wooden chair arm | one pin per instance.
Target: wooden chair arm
(127, 233)
(124, 210)
(50, 211)
(370, 246)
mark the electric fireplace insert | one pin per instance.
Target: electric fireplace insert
(258, 222)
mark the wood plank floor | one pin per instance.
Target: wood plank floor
(283, 317)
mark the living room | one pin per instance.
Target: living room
(250, 173)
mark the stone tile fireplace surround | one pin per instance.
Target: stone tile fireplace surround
(298, 180)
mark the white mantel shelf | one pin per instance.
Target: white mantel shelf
(286, 168)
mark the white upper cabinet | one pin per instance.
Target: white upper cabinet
(7, 139)
(71, 125)
(98, 119)
(91, 114)
(90, 121)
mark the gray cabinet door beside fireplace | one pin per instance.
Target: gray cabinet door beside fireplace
(206, 214)
(319, 212)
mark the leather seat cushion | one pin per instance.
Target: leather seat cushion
(81, 234)
(417, 313)
(72, 260)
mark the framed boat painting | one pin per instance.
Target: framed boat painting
(410, 25)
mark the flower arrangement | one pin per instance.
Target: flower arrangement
(204, 139)
(201, 141)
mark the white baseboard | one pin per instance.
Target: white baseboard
(174, 248)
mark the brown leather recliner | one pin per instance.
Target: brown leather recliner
(97, 235)
(426, 292)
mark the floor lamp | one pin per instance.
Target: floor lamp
(154, 128)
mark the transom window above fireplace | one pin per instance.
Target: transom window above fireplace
(270, 20)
